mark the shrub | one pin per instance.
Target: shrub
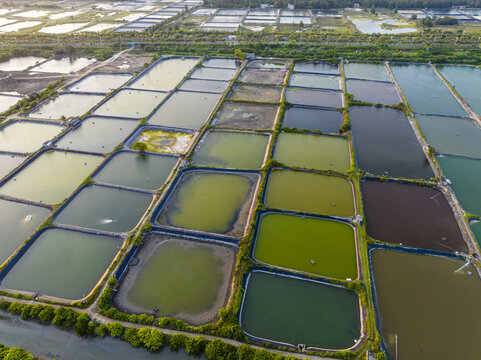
(195, 346)
(131, 335)
(177, 341)
(219, 350)
(82, 324)
(115, 329)
(152, 339)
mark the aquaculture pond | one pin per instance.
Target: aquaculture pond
(410, 287)
(239, 115)
(66, 106)
(42, 340)
(222, 63)
(385, 143)
(165, 74)
(138, 170)
(309, 97)
(163, 141)
(232, 150)
(210, 201)
(375, 92)
(130, 103)
(314, 81)
(311, 245)
(62, 28)
(8, 162)
(313, 151)
(185, 279)
(64, 65)
(7, 101)
(100, 83)
(476, 228)
(263, 76)
(105, 208)
(366, 72)
(213, 74)
(326, 121)
(18, 222)
(260, 93)
(185, 109)
(91, 134)
(204, 85)
(466, 80)
(425, 91)
(448, 135)
(26, 136)
(20, 63)
(296, 311)
(411, 215)
(51, 177)
(55, 264)
(309, 192)
(464, 175)
(19, 26)
(319, 68)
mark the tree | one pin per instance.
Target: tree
(82, 324)
(140, 146)
(115, 329)
(177, 341)
(219, 350)
(152, 339)
(195, 345)
(239, 54)
(46, 314)
(131, 335)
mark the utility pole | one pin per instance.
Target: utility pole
(396, 347)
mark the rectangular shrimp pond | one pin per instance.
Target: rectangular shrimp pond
(210, 201)
(430, 298)
(295, 311)
(50, 177)
(26, 136)
(306, 244)
(55, 264)
(310, 193)
(187, 279)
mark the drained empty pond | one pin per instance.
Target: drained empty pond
(311, 245)
(18, 222)
(105, 208)
(313, 151)
(51, 177)
(411, 215)
(55, 264)
(309, 192)
(239, 115)
(210, 201)
(160, 141)
(299, 311)
(181, 278)
(410, 287)
(232, 150)
(385, 143)
(137, 170)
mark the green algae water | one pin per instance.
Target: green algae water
(432, 307)
(311, 245)
(464, 175)
(63, 263)
(466, 80)
(309, 192)
(18, 222)
(425, 91)
(313, 151)
(51, 177)
(206, 201)
(298, 311)
(179, 278)
(232, 150)
(143, 171)
(448, 135)
(105, 208)
(26, 136)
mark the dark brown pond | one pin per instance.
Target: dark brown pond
(416, 216)
(385, 143)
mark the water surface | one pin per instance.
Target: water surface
(100, 83)
(323, 98)
(8, 162)
(366, 72)
(326, 121)
(26, 136)
(314, 81)
(20, 63)
(374, 92)
(66, 106)
(64, 65)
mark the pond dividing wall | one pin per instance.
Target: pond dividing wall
(410, 287)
